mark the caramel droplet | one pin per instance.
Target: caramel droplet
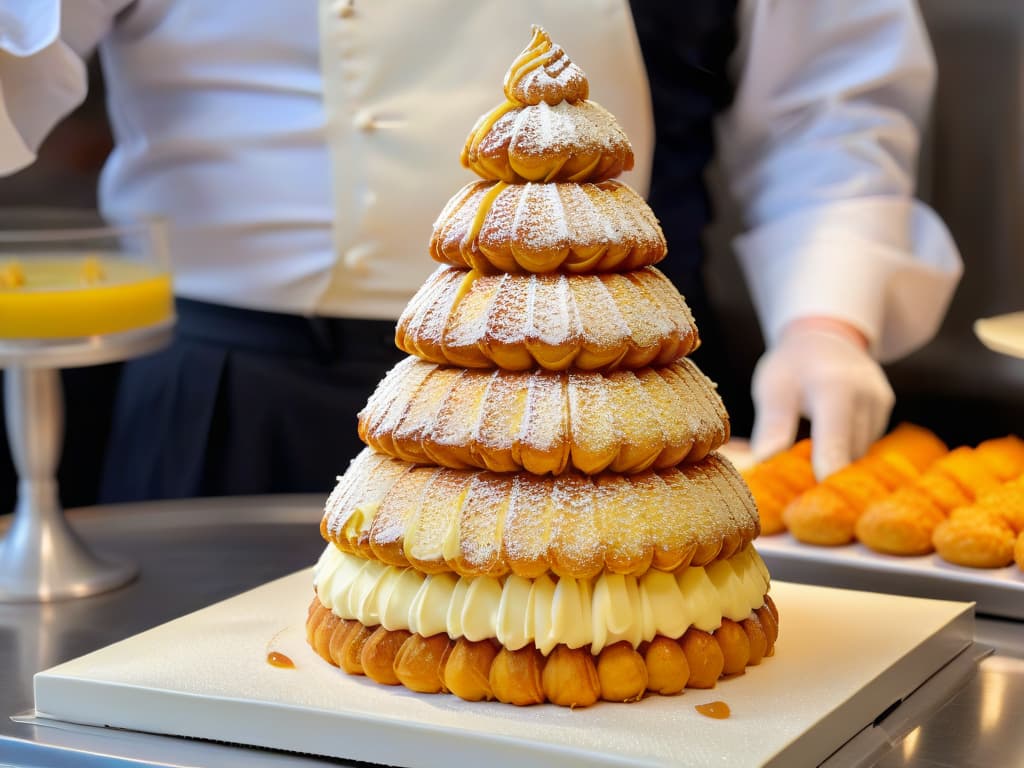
(718, 710)
(276, 659)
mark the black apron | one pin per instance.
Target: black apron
(244, 402)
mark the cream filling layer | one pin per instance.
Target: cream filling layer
(546, 611)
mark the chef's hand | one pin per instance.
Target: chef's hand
(820, 368)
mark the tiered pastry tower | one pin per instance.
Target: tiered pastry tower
(540, 513)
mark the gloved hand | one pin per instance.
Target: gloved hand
(820, 368)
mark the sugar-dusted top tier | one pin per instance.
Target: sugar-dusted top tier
(548, 202)
(546, 129)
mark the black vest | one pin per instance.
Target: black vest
(686, 48)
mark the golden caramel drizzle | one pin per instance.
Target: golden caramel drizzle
(483, 128)
(717, 710)
(11, 275)
(564, 80)
(465, 287)
(532, 57)
(276, 659)
(466, 246)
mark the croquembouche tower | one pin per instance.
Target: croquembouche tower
(540, 514)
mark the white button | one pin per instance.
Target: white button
(357, 258)
(364, 120)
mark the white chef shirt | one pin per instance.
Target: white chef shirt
(219, 123)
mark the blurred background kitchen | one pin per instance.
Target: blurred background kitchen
(972, 173)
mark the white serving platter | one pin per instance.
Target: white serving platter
(997, 591)
(843, 658)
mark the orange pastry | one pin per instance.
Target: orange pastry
(901, 524)
(965, 467)
(828, 514)
(775, 482)
(545, 422)
(975, 537)
(918, 445)
(1004, 456)
(554, 321)
(540, 514)
(1018, 551)
(1006, 502)
(906, 522)
(984, 534)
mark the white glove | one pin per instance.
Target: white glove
(819, 370)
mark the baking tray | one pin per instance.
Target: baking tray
(997, 591)
(841, 662)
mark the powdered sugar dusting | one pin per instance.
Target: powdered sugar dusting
(527, 532)
(533, 524)
(601, 322)
(566, 142)
(501, 422)
(481, 522)
(546, 422)
(426, 532)
(547, 227)
(576, 549)
(543, 435)
(518, 322)
(550, 314)
(401, 502)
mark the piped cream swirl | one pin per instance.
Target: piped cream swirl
(546, 611)
(543, 72)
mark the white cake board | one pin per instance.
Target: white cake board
(843, 658)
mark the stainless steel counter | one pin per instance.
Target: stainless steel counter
(193, 553)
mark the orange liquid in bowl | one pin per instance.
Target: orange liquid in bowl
(55, 298)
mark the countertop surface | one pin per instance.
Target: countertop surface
(193, 553)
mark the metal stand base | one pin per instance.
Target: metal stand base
(41, 557)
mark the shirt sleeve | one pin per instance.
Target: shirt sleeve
(820, 150)
(43, 44)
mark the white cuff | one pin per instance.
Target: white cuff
(41, 80)
(886, 265)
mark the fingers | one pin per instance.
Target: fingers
(870, 414)
(883, 403)
(776, 408)
(861, 430)
(832, 432)
(774, 430)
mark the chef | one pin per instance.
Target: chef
(302, 152)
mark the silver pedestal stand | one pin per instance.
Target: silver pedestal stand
(42, 558)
